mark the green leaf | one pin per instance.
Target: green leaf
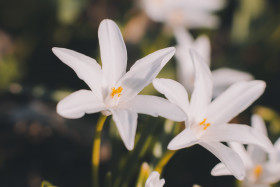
(47, 184)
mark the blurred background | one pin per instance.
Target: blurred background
(37, 144)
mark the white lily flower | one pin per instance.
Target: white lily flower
(207, 122)
(113, 91)
(222, 77)
(186, 13)
(154, 180)
(261, 169)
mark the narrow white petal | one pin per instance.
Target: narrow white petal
(78, 103)
(220, 170)
(234, 100)
(174, 92)
(195, 19)
(225, 77)
(203, 47)
(156, 106)
(126, 122)
(256, 153)
(241, 151)
(184, 139)
(237, 133)
(183, 37)
(154, 180)
(228, 157)
(85, 67)
(258, 124)
(203, 85)
(143, 72)
(113, 52)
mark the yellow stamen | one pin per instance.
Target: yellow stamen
(258, 171)
(206, 125)
(116, 91)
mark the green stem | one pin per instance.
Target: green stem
(96, 149)
(164, 160)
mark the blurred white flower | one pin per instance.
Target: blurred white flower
(184, 13)
(222, 78)
(154, 180)
(113, 91)
(261, 169)
(207, 122)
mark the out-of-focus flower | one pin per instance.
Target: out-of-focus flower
(261, 170)
(207, 122)
(154, 180)
(186, 13)
(222, 78)
(113, 91)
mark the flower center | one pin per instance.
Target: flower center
(117, 91)
(258, 171)
(204, 124)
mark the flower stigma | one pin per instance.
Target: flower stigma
(258, 171)
(117, 91)
(204, 124)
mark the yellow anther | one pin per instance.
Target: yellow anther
(116, 91)
(206, 125)
(258, 171)
(201, 123)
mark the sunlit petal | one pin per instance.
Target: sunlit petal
(202, 94)
(185, 139)
(234, 100)
(174, 92)
(143, 72)
(228, 157)
(237, 133)
(113, 52)
(220, 170)
(126, 122)
(156, 106)
(85, 67)
(78, 103)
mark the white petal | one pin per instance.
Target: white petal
(202, 94)
(174, 92)
(154, 180)
(156, 106)
(85, 67)
(237, 133)
(234, 100)
(220, 170)
(143, 72)
(277, 144)
(241, 151)
(126, 122)
(271, 173)
(78, 103)
(184, 139)
(258, 124)
(183, 37)
(228, 157)
(256, 153)
(113, 52)
(203, 47)
(225, 77)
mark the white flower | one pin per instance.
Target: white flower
(113, 91)
(222, 78)
(154, 181)
(207, 122)
(189, 13)
(261, 169)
